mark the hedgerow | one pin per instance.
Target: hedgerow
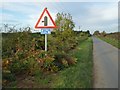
(23, 52)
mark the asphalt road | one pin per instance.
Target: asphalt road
(105, 64)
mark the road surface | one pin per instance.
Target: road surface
(105, 64)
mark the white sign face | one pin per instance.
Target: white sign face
(45, 31)
(45, 20)
(41, 23)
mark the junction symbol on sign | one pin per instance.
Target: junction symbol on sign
(45, 20)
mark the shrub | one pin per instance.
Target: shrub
(64, 60)
(23, 52)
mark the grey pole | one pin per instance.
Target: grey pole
(79, 28)
(45, 42)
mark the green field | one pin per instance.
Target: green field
(112, 41)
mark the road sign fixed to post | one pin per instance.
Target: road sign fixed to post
(45, 20)
(45, 31)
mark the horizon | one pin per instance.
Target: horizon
(92, 16)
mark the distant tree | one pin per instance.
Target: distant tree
(96, 33)
(88, 32)
(103, 33)
(5, 27)
(10, 28)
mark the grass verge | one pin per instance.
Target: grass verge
(111, 41)
(80, 75)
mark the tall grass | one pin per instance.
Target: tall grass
(80, 75)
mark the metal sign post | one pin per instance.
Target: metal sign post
(45, 42)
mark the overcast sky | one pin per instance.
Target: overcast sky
(89, 15)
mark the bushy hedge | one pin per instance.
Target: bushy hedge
(23, 52)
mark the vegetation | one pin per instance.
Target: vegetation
(96, 33)
(24, 56)
(80, 75)
(111, 38)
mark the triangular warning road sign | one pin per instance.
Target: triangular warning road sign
(41, 20)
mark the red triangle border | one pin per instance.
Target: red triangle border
(38, 27)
